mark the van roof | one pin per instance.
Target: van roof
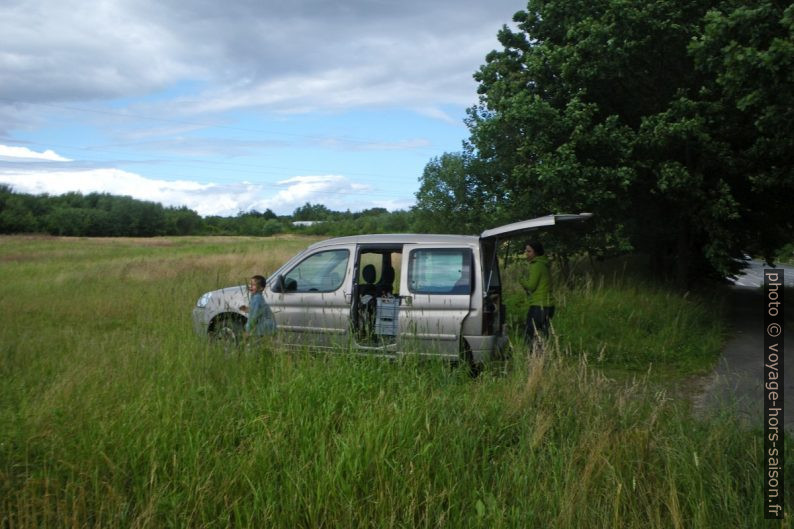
(509, 230)
(400, 238)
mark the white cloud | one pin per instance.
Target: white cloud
(335, 191)
(9, 153)
(67, 50)
(106, 180)
(328, 189)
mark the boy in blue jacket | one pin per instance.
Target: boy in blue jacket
(260, 317)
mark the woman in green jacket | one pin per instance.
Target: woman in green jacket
(538, 288)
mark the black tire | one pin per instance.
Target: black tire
(227, 332)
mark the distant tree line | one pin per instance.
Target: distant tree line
(106, 215)
(95, 214)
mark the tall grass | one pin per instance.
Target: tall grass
(114, 415)
(628, 325)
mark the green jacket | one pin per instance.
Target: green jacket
(538, 285)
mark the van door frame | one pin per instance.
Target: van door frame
(355, 324)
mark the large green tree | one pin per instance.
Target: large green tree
(746, 52)
(450, 198)
(668, 119)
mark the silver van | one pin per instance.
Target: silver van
(384, 295)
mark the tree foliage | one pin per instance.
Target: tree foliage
(670, 120)
(450, 200)
(312, 212)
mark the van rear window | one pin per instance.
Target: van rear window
(440, 271)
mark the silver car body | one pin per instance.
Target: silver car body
(442, 296)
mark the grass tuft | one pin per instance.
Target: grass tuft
(627, 326)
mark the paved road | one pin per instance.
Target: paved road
(753, 275)
(738, 377)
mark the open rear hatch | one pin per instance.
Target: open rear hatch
(519, 228)
(493, 308)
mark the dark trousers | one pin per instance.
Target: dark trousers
(537, 322)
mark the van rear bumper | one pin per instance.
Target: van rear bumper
(484, 348)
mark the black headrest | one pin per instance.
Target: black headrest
(369, 273)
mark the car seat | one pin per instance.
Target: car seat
(368, 288)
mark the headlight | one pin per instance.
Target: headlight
(203, 300)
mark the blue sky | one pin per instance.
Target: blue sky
(245, 104)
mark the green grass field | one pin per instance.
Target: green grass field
(113, 414)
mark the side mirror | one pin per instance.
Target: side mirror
(278, 284)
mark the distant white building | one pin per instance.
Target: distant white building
(303, 223)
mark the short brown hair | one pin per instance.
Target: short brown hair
(536, 246)
(259, 280)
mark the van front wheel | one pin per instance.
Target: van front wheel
(227, 332)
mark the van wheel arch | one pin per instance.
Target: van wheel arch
(227, 329)
(467, 357)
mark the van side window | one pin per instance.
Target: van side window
(440, 271)
(320, 272)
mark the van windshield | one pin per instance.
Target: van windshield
(320, 272)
